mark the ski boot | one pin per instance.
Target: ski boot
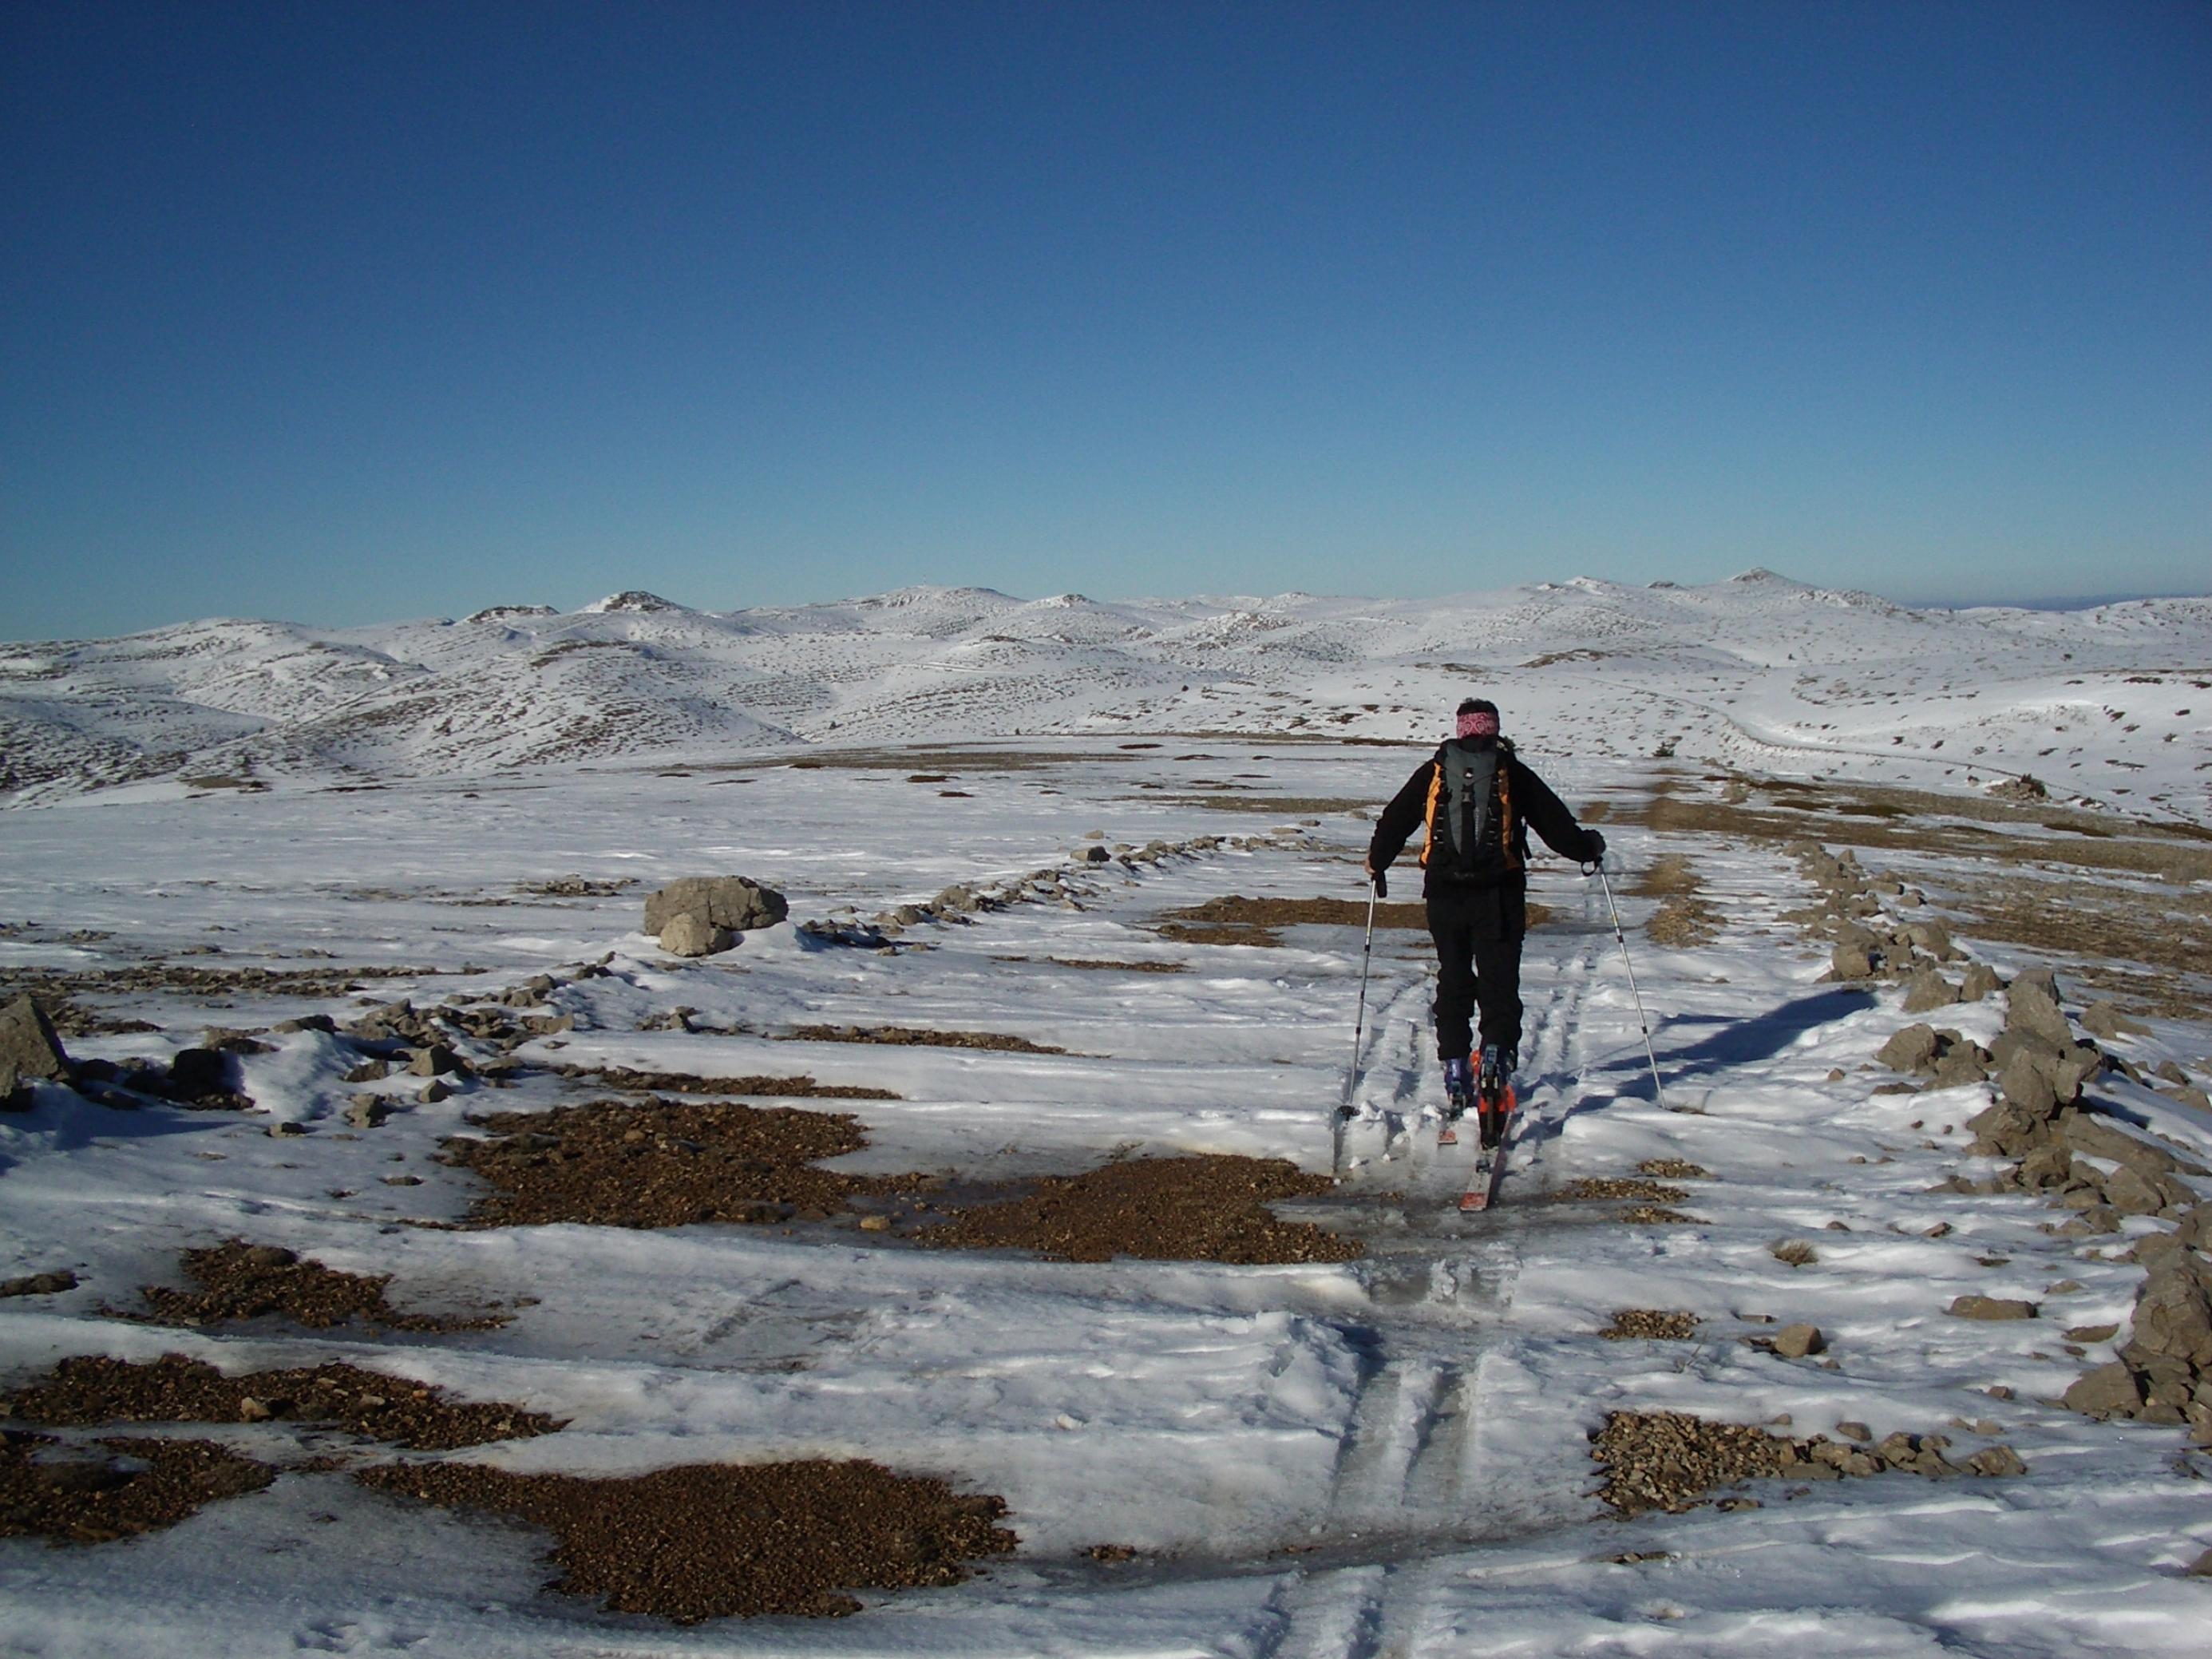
(1459, 1098)
(1493, 1092)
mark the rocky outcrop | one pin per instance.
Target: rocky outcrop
(701, 915)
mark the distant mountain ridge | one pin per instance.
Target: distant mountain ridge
(1759, 671)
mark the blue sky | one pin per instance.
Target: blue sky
(344, 312)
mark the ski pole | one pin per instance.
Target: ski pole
(1359, 1021)
(1643, 1023)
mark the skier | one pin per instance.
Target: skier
(1476, 800)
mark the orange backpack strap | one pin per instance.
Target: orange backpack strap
(1429, 818)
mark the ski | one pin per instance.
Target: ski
(1481, 1192)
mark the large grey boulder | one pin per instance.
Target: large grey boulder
(730, 901)
(28, 1046)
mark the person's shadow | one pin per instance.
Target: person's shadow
(1731, 1042)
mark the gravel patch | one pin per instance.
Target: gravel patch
(1210, 1208)
(664, 1163)
(239, 1280)
(714, 1541)
(88, 1390)
(115, 1488)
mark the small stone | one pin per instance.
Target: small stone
(875, 1224)
(2091, 1332)
(2202, 1566)
(2104, 1020)
(433, 1092)
(1928, 989)
(286, 1130)
(1855, 1431)
(1909, 1050)
(1796, 1341)
(1851, 962)
(251, 1410)
(438, 1060)
(370, 1070)
(1993, 1462)
(1980, 982)
(367, 1111)
(1989, 1307)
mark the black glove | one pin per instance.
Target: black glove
(1381, 883)
(1597, 846)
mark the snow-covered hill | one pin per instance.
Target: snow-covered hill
(1759, 673)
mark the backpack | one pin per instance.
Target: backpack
(1470, 816)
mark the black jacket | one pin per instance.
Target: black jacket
(1533, 803)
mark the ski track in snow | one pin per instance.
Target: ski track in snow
(1384, 1457)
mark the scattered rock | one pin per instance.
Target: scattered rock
(1980, 982)
(1849, 962)
(1795, 1251)
(2032, 1008)
(1928, 989)
(1796, 1341)
(1909, 1049)
(2103, 1019)
(1989, 1307)
(367, 1111)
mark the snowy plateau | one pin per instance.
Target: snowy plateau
(1075, 887)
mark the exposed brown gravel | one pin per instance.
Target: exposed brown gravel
(1669, 1460)
(1603, 1187)
(1650, 1324)
(241, 1280)
(1656, 1215)
(713, 1541)
(663, 1163)
(686, 1082)
(1209, 1208)
(91, 1389)
(1237, 921)
(95, 1494)
(1141, 967)
(1673, 1169)
(911, 1037)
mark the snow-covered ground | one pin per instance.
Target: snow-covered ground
(1757, 672)
(1385, 1456)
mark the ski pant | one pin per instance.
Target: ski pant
(1478, 932)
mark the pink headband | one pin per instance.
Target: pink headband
(1478, 723)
